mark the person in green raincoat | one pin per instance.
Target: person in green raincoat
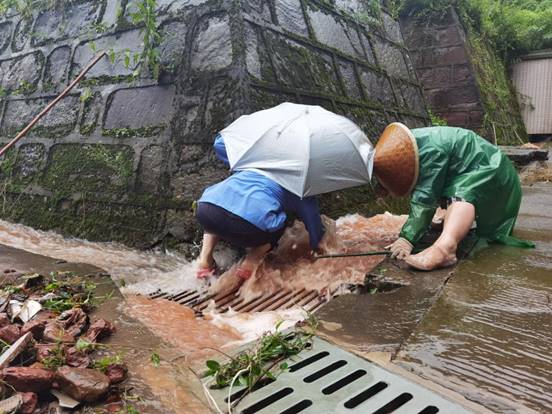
(456, 167)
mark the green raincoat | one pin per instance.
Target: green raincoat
(456, 162)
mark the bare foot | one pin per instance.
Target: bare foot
(227, 283)
(431, 258)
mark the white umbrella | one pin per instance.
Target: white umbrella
(306, 149)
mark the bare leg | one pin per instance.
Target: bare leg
(206, 256)
(255, 257)
(458, 221)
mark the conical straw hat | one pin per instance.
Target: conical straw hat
(396, 160)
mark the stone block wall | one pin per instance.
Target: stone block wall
(464, 82)
(123, 158)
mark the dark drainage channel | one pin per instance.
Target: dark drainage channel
(310, 300)
(326, 379)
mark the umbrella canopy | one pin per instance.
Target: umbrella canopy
(306, 149)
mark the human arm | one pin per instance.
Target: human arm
(220, 149)
(425, 198)
(308, 212)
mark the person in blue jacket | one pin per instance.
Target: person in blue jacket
(249, 210)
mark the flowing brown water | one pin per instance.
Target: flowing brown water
(290, 266)
(142, 272)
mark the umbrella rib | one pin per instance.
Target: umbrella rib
(307, 164)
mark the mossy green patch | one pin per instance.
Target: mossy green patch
(130, 132)
(502, 120)
(134, 225)
(89, 168)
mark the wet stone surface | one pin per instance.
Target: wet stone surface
(290, 16)
(350, 81)
(335, 33)
(5, 35)
(119, 43)
(21, 72)
(139, 107)
(60, 119)
(150, 169)
(376, 86)
(212, 49)
(72, 21)
(392, 28)
(22, 35)
(252, 61)
(390, 57)
(173, 45)
(57, 65)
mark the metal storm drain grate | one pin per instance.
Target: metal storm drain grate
(310, 300)
(326, 379)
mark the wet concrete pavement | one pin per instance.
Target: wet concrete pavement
(483, 329)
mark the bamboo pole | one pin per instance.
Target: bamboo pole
(333, 256)
(52, 104)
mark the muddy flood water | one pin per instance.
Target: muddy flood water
(288, 266)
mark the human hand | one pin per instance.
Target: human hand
(400, 249)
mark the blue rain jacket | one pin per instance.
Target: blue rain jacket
(261, 201)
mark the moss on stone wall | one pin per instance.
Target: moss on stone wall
(91, 219)
(502, 118)
(89, 168)
(362, 200)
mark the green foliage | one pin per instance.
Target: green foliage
(86, 95)
(70, 291)
(265, 359)
(374, 8)
(103, 364)
(514, 27)
(155, 359)
(372, 15)
(56, 357)
(23, 7)
(25, 88)
(145, 15)
(436, 120)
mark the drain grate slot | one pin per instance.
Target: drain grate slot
(394, 404)
(260, 384)
(365, 395)
(325, 371)
(297, 408)
(309, 300)
(429, 410)
(326, 379)
(308, 361)
(344, 382)
(268, 401)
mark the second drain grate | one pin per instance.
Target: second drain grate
(326, 380)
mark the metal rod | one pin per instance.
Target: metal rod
(333, 256)
(52, 104)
